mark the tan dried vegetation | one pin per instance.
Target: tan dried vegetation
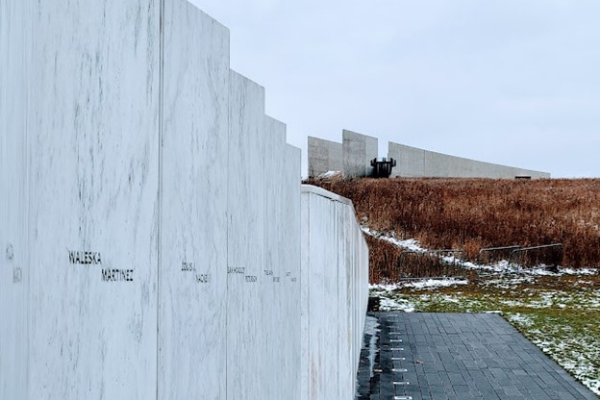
(477, 213)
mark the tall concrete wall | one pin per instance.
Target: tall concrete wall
(324, 156)
(358, 151)
(414, 162)
(335, 268)
(147, 249)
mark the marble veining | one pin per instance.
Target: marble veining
(151, 213)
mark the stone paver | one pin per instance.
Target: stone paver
(457, 356)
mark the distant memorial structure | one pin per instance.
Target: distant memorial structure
(406, 161)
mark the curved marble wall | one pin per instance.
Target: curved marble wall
(335, 291)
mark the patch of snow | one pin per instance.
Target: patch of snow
(502, 266)
(520, 319)
(396, 304)
(409, 244)
(329, 174)
(508, 282)
(420, 284)
(435, 283)
(580, 272)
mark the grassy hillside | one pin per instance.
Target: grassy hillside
(471, 214)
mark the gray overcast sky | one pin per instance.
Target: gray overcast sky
(514, 82)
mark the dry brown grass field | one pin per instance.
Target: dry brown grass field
(472, 214)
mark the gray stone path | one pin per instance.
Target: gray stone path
(457, 356)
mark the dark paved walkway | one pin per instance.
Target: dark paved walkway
(457, 356)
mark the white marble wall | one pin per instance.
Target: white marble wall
(290, 331)
(93, 164)
(193, 217)
(150, 211)
(246, 247)
(14, 254)
(263, 251)
(335, 268)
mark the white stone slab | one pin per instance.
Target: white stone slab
(334, 295)
(246, 246)
(152, 214)
(14, 272)
(93, 140)
(195, 167)
(290, 271)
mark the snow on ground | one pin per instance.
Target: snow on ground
(329, 174)
(578, 354)
(409, 244)
(542, 313)
(502, 266)
(420, 284)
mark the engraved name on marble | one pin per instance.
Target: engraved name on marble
(187, 266)
(236, 270)
(117, 275)
(10, 254)
(84, 257)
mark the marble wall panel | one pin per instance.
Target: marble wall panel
(195, 169)
(93, 139)
(334, 294)
(290, 277)
(246, 245)
(14, 271)
(153, 213)
(270, 332)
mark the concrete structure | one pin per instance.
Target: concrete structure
(359, 150)
(147, 249)
(335, 260)
(324, 156)
(415, 162)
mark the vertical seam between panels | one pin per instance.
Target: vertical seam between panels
(161, 87)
